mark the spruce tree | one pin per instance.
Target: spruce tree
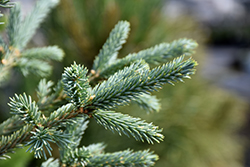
(62, 110)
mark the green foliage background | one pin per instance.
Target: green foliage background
(200, 121)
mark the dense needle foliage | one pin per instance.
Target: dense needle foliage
(63, 110)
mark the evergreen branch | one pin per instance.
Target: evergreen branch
(109, 51)
(26, 109)
(148, 102)
(128, 79)
(128, 125)
(63, 140)
(118, 81)
(76, 157)
(39, 141)
(119, 91)
(52, 101)
(10, 125)
(9, 57)
(19, 33)
(15, 140)
(45, 53)
(35, 66)
(76, 129)
(51, 163)
(14, 23)
(97, 148)
(138, 66)
(171, 72)
(154, 55)
(32, 21)
(75, 84)
(60, 115)
(43, 90)
(41, 138)
(125, 158)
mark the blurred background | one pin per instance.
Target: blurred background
(205, 121)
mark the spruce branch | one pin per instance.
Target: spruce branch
(61, 139)
(116, 85)
(77, 157)
(41, 138)
(19, 33)
(158, 54)
(60, 115)
(125, 158)
(44, 53)
(77, 129)
(15, 140)
(42, 132)
(109, 51)
(43, 91)
(174, 71)
(31, 22)
(14, 24)
(129, 126)
(119, 91)
(10, 125)
(35, 66)
(74, 155)
(75, 84)
(26, 109)
(49, 100)
(39, 141)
